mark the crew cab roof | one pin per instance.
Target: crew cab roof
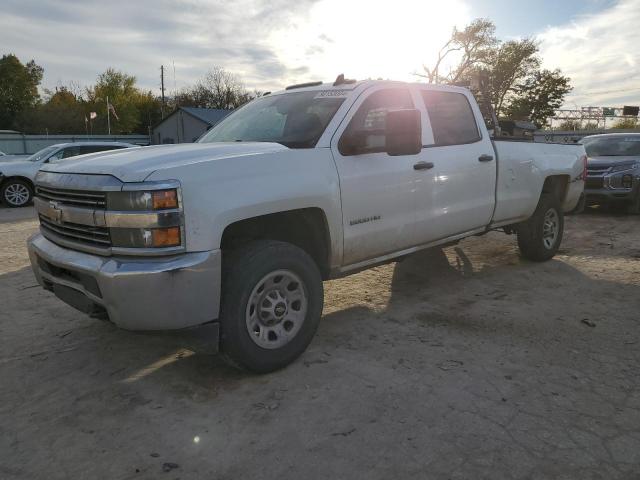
(361, 85)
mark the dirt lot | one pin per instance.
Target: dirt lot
(463, 363)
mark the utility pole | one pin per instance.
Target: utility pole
(108, 117)
(162, 90)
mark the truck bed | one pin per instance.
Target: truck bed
(522, 168)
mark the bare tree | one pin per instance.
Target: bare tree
(219, 88)
(474, 43)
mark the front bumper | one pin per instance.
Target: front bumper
(141, 293)
(605, 195)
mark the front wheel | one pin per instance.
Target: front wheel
(16, 193)
(271, 305)
(539, 237)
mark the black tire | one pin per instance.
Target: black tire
(243, 271)
(634, 206)
(8, 195)
(531, 237)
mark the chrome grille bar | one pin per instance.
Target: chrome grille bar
(72, 197)
(95, 235)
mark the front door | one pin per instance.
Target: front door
(377, 190)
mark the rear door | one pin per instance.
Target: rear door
(458, 193)
(377, 190)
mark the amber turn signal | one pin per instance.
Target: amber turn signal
(166, 237)
(164, 199)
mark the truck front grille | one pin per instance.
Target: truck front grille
(84, 234)
(78, 198)
(70, 234)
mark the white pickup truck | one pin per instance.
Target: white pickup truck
(233, 236)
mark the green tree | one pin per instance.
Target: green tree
(510, 64)
(18, 88)
(149, 111)
(505, 76)
(120, 89)
(570, 125)
(62, 112)
(627, 123)
(538, 96)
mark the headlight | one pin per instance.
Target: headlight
(146, 237)
(146, 219)
(144, 200)
(627, 166)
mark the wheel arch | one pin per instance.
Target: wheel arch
(557, 185)
(307, 228)
(18, 177)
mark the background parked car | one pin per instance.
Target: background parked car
(613, 170)
(16, 176)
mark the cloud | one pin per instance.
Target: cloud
(79, 40)
(368, 39)
(273, 43)
(600, 53)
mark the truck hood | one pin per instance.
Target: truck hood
(611, 161)
(136, 164)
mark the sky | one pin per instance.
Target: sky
(274, 43)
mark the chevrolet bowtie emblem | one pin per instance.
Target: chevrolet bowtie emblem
(55, 211)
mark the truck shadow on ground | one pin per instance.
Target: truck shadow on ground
(464, 289)
(457, 289)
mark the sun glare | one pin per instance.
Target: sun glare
(373, 39)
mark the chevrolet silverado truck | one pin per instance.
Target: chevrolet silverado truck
(233, 235)
(613, 170)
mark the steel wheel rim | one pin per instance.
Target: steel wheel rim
(16, 194)
(276, 309)
(550, 228)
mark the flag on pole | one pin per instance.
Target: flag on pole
(113, 111)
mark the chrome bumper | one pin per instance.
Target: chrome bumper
(137, 293)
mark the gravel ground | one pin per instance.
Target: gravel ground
(462, 363)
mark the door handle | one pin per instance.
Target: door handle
(485, 158)
(423, 166)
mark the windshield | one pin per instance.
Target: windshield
(295, 120)
(42, 154)
(612, 146)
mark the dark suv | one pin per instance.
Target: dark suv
(613, 169)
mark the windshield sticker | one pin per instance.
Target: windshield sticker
(333, 93)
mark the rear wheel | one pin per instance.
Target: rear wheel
(16, 193)
(539, 237)
(271, 305)
(634, 207)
